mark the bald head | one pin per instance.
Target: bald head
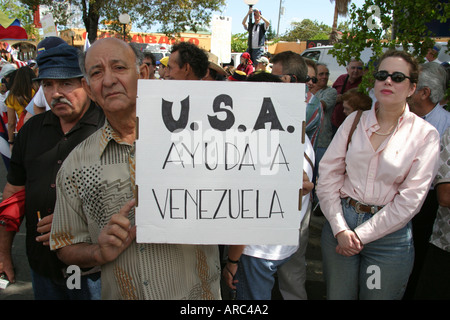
(111, 42)
(111, 69)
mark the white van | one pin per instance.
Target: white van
(159, 50)
(321, 55)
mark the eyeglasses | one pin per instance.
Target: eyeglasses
(313, 79)
(395, 76)
(293, 78)
(150, 64)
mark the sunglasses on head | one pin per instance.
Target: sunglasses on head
(395, 76)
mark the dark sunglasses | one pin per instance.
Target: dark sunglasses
(395, 76)
(293, 78)
(313, 79)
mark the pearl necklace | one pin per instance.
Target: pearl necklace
(384, 134)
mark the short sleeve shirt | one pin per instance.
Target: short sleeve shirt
(96, 180)
(441, 228)
(39, 151)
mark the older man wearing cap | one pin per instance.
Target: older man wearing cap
(40, 148)
(38, 104)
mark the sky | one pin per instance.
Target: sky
(294, 10)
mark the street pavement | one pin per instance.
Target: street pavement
(22, 289)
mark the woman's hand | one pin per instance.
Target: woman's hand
(348, 243)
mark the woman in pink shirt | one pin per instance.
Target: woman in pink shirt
(370, 192)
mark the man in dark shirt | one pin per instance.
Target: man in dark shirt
(38, 152)
(344, 83)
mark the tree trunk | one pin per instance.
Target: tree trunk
(333, 34)
(91, 18)
(93, 27)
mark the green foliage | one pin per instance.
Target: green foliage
(173, 16)
(307, 30)
(404, 20)
(270, 34)
(239, 42)
(310, 30)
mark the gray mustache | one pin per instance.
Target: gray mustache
(61, 100)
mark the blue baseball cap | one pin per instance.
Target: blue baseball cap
(60, 62)
(48, 43)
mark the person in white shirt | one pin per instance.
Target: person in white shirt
(250, 269)
(433, 53)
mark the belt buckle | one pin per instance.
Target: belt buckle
(357, 207)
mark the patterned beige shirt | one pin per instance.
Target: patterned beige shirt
(95, 181)
(441, 228)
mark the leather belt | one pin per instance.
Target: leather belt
(361, 207)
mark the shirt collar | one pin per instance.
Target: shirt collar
(108, 135)
(91, 117)
(431, 112)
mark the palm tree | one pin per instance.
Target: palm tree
(340, 9)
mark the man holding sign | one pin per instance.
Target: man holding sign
(226, 168)
(94, 215)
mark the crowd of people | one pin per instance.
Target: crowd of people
(375, 165)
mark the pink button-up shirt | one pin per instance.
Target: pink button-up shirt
(396, 176)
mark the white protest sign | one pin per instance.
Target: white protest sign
(219, 162)
(221, 38)
(48, 26)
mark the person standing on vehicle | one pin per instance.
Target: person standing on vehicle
(257, 30)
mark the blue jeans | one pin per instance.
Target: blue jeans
(256, 54)
(256, 277)
(380, 271)
(50, 289)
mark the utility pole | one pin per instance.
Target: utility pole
(279, 17)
